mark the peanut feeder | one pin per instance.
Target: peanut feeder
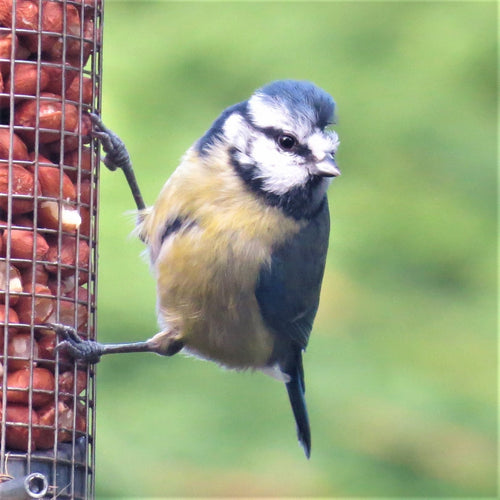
(50, 79)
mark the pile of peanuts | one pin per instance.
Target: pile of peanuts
(46, 208)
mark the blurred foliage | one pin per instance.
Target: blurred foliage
(401, 367)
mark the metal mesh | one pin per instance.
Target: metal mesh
(50, 78)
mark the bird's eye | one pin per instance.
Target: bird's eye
(287, 141)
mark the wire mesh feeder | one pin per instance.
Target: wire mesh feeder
(50, 77)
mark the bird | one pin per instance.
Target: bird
(238, 237)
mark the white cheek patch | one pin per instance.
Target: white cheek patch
(279, 171)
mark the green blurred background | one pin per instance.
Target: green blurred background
(401, 367)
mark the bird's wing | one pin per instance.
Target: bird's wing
(288, 296)
(288, 290)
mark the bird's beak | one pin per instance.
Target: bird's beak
(326, 167)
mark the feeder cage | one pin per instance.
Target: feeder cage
(50, 79)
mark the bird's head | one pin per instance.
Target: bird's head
(279, 145)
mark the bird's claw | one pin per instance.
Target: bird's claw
(116, 153)
(88, 351)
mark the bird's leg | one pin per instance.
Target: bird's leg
(116, 156)
(165, 343)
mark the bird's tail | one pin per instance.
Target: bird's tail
(296, 393)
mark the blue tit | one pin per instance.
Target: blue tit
(238, 238)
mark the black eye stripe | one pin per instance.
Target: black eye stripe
(274, 134)
(301, 150)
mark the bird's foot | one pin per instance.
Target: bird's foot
(84, 350)
(116, 152)
(116, 156)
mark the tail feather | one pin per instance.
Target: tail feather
(296, 394)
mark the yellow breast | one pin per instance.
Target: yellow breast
(206, 273)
